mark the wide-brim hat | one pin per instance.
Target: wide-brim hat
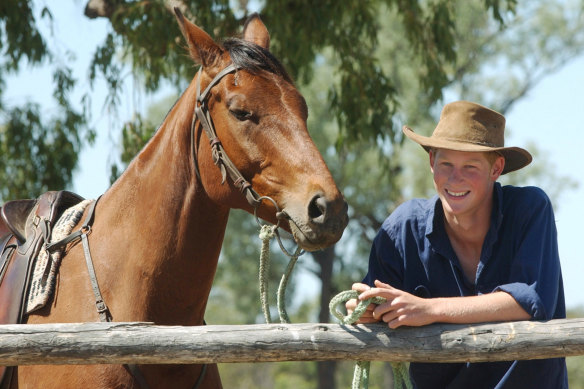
(466, 126)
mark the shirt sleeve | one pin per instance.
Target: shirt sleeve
(535, 269)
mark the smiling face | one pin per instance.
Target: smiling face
(464, 181)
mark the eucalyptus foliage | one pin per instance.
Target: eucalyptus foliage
(37, 152)
(145, 36)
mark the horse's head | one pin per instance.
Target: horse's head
(260, 120)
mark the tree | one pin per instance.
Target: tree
(145, 35)
(28, 140)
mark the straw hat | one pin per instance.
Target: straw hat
(466, 126)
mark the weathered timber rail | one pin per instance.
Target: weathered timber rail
(144, 343)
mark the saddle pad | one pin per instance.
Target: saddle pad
(46, 266)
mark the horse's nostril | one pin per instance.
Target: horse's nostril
(317, 209)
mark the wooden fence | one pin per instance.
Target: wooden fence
(144, 343)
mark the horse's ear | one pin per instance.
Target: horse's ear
(255, 31)
(202, 47)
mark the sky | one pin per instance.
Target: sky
(550, 116)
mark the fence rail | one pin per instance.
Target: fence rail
(144, 343)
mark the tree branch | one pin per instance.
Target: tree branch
(99, 9)
(106, 8)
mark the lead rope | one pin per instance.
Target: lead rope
(283, 284)
(401, 376)
(361, 374)
(267, 232)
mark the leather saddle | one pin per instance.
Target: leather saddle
(25, 227)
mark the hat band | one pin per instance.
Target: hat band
(458, 140)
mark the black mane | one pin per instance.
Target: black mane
(254, 58)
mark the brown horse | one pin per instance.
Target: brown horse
(158, 230)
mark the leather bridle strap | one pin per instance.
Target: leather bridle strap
(220, 157)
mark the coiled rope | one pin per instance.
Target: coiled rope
(401, 376)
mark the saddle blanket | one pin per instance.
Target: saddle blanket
(46, 265)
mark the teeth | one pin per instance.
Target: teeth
(456, 194)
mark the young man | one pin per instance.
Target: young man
(476, 252)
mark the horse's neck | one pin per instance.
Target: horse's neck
(172, 231)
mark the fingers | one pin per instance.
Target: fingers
(387, 312)
(381, 290)
(391, 314)
(381, 310)
(390, 317)
(367, 316)
(380, 284)
(359, 287)
(351, 305)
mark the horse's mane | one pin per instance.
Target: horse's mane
(254, 58)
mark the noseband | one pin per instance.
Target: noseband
(220, 157)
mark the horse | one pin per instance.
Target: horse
(157, 231)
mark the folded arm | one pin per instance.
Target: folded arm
(403, 308)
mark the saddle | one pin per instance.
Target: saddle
(25, 228)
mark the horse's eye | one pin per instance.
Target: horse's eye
(240, 114)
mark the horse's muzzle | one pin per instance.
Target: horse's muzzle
(322, 225)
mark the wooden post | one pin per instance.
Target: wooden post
(143, 343)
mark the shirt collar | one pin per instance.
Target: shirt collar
(435, 229)
(434, 215)
(496, 215)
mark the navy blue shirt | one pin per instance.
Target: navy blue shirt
(412, 252)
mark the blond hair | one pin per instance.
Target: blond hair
(490, 155)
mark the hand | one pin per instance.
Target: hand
(367, 316)
(401, 308)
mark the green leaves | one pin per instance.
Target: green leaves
(363, 103)
(135, 134)
(364, 96)
(19, 36)
(37, 153)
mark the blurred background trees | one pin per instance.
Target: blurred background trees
(365, 69)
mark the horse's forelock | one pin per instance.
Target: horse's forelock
(254, 58)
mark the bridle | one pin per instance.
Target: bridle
(220, 157)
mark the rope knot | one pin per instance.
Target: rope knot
(267, 232)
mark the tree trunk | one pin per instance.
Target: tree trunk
(325, 258)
